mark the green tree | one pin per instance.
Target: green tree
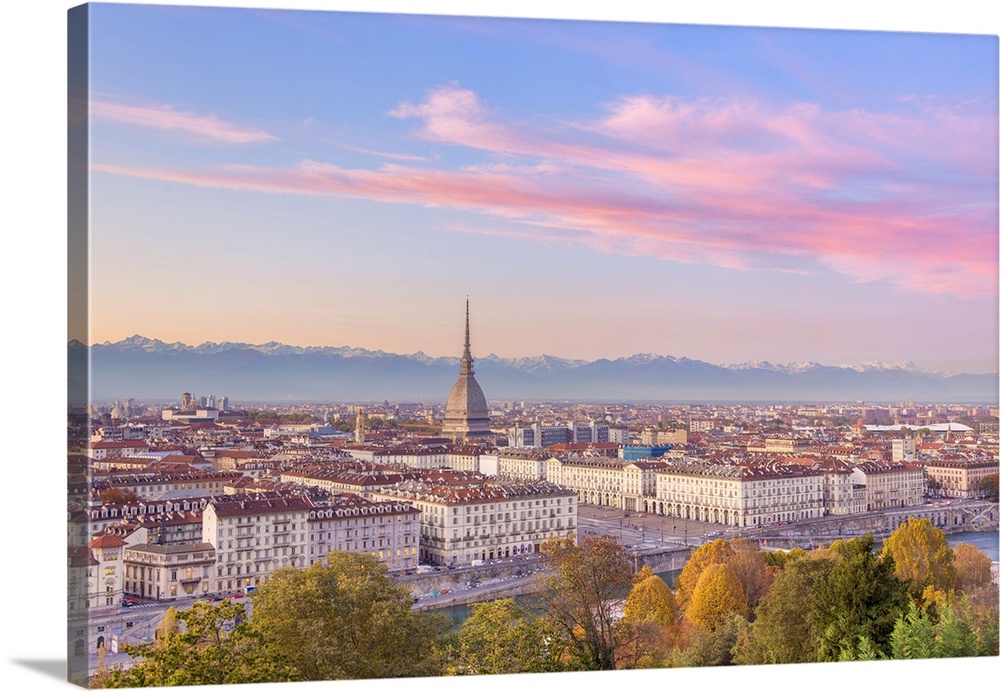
(913, 636)
(712, 647)
(955, 631)
(501, 637)
(202, 645)
(990, 485)
(922, 556)
(785, 630)
(347, 620)
(581, 595)
(861, 597)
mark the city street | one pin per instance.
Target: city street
(651, 530)
(132, 625)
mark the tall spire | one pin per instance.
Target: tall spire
(466, 415)
(467, 354)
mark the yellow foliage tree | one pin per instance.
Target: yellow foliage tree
(972, 568)
(922, 556)
(646, 628)
(715, 552)
(717, 594)
(169, 625)
(752, 570)
(650, 600)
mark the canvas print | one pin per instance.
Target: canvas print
(415, 346)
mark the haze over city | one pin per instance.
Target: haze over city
(598, 190)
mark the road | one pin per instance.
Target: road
(644, 529)
(131, 625)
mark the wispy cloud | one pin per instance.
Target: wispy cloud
(168, 118)
(907, 197)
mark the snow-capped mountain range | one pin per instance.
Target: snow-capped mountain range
(150, 368)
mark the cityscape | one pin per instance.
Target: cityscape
(413, 346)
(182, 506)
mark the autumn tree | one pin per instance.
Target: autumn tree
(972, 568)
(118, 495)
(581, 595)
(501, 637)
(922, 556)
(347, 620)
(751, 569)
(648, 623)
(202, 645)
(861, 597)
(715, 552)
(650, 599)
(717, 594)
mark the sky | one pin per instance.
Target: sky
(596, 189)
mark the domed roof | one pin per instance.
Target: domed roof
(467, 399)
(466, 413)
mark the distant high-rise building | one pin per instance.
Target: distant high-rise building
(466, 415)
(223, 402)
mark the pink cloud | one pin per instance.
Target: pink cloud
(897, 197)
(167, 118)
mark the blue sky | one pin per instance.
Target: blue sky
(597, 189)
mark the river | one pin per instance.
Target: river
(459, 613)
(987, 542)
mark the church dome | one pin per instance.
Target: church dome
(466, 413)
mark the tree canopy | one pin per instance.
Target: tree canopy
(649, 622)
(922, 556)
(717, 594)
(861, 597)
(201, 645)
(581, 594)
(715, 552)
(347, 620)
(785, 629)
(501, 637)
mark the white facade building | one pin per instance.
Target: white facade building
(739, 495)
(460, 524)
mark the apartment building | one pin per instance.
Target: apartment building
(483, 520)
(891, 484)
(169, 571)
(739, 495)
(601, 481)
(388, 530)
(959, 476)
(253, 537)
